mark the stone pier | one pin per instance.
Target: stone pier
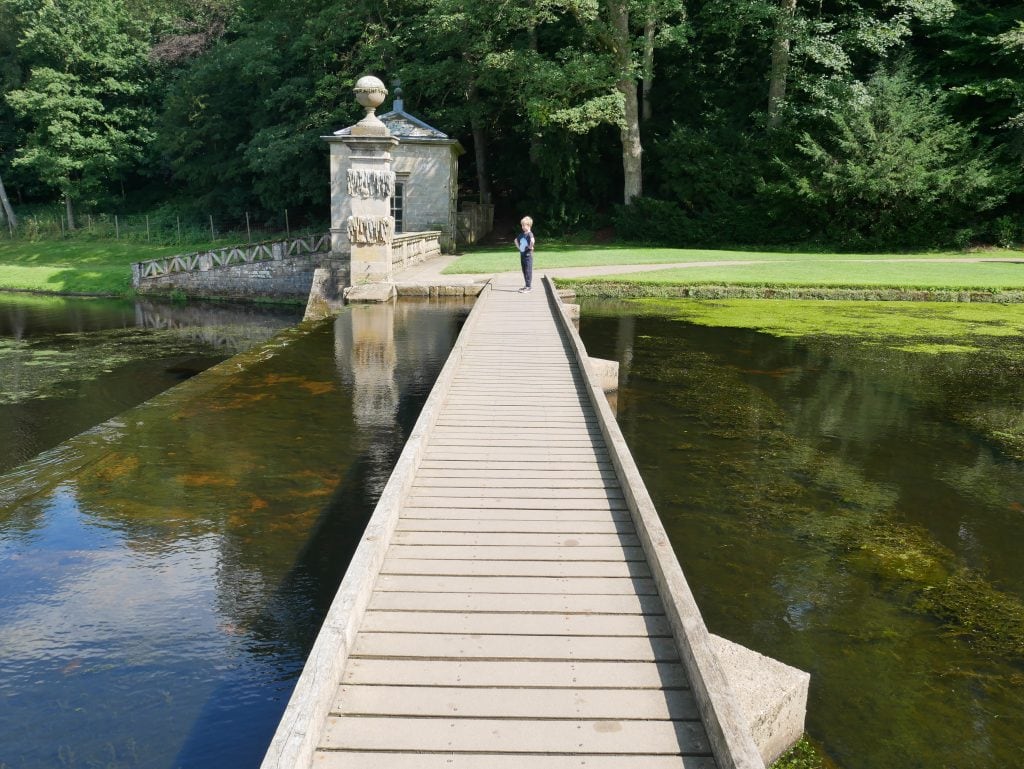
(362, 184)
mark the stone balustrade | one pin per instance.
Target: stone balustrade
(410, 248)
(266, 251)
(280, 269)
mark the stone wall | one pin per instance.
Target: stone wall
(475, 221)
(426, 171)
(288, 278)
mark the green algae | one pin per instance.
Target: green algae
(972, 609)
(865, 320)
(58, 365)
(769, 477)
(975, 341)
(803, 755)
(936, 348)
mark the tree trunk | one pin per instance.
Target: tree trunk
(648, 70)
(618, 11)
(780, 61)
(70, 209)
(6, 205)
(534, 135)
(632, 150)
(479, 142)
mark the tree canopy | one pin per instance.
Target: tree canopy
(851, 122)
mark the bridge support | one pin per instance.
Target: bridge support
(362, 185)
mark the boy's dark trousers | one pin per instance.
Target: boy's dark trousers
(526, 260)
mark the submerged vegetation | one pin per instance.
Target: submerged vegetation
(800, 756)
(962, 339)
(772, 470)
(876, 322)
(834, 508)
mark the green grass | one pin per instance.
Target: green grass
(77, 266)
(501, 259)
(803, 755)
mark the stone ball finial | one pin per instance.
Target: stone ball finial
(370, 92)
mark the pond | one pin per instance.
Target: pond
(164, 573)
(844, 486)
(67, 364)
(843, 482)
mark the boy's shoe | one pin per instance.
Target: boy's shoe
(524, 290)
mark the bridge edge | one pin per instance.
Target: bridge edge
(733, 743)
(295, 740)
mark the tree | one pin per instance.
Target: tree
(621, 44)
(5, 206)
(10, 78)
(894, 168)
(593, 77)
(780, 61)
(1011, 43)
(84, 100)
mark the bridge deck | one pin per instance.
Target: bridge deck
(515, 621)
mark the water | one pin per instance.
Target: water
(845, 506)
(163, 575)
(67, 364)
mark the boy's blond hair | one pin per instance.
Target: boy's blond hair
(526, 220)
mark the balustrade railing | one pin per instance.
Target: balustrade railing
(408, 248)
(266, 251)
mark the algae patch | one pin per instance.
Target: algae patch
(867, 320)
(746, 459)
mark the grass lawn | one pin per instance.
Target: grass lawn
(501, 259)
(76, 266)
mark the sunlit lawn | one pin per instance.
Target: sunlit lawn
(76, 266)
(103, 266)
(772, 268)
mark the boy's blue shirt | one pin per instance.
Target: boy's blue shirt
(525, 241)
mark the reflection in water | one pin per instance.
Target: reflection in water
(833, 507)
(163, 576)
(67, 364)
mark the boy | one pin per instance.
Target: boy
(524, 241)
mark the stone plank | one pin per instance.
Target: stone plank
(513, 539)
(472, 735)
(518, 647)
(508, 623)
(498, 525)
(514, 673)
(334, 759)
(564, 603)
(536, 569)
(516, 503)
(517, 553)
(508, 514)
(521, 490)
(478, 702)
(523, 464)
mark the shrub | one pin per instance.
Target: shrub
(892, 169)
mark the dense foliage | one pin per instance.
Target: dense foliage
(856, 123)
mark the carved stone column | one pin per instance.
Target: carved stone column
(362, 184)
